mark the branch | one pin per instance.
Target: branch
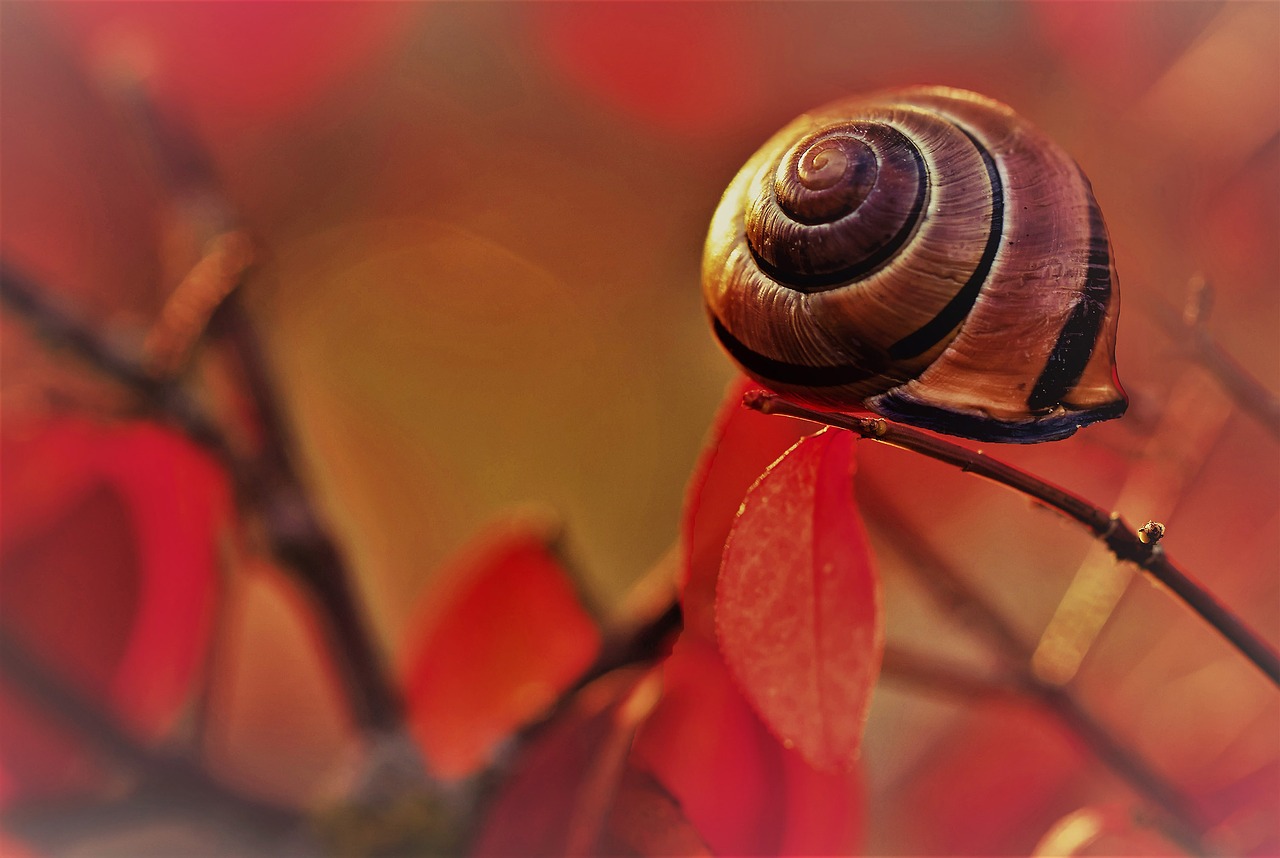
(1245, 390)
(294, 528)
(60, 327)
(183, 784)
(952, 589)
(947, 679)
(1121, 539)
(935, 675)
(270, 484)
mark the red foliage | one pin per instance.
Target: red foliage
(238, 65)
(108, 557)
(1112, 48)
(742, 443)
(693, 771)
(558, 797)
(994, 786)
(493, 648)
(744, 791)
(684, 68)
(798, 605)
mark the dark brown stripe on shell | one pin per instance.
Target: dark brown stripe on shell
(957, 310)
(1079, 336)
(796, 374)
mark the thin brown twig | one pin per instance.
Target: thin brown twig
(953, 590)
(1246, 391)
(1119, 537)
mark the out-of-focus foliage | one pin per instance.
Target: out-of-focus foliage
(480, 232)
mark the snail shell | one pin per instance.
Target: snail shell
(924, 253)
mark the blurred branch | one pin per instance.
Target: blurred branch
(1121, 539)
(60, 327)
(1190, 333)
(953, 591)
(301, 541)
(949, 680)
(181, 783)
(294, 528)
(269, 482)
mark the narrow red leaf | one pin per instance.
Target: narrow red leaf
(798, 603)
(493, 647)
(742, 443)
(744, 792)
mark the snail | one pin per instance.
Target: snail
(926, 254)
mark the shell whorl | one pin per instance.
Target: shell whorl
(924, 253)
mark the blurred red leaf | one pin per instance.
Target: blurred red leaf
(798, 604)
(493, 647)
(742, 443)
(1113, 48)
(238, 65)
(744, 792)
(1243, 811)
(108, 559)
(557, 799)
(687, 68)
(995, 784)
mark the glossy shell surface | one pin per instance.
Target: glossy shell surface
(926, 254)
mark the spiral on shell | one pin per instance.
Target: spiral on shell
(926, 254)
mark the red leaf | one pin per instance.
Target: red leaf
(636, 57)
(108, 555)
(235, 66)
(742, 443)
(743, 791)
(798, 604)
(493, 649)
